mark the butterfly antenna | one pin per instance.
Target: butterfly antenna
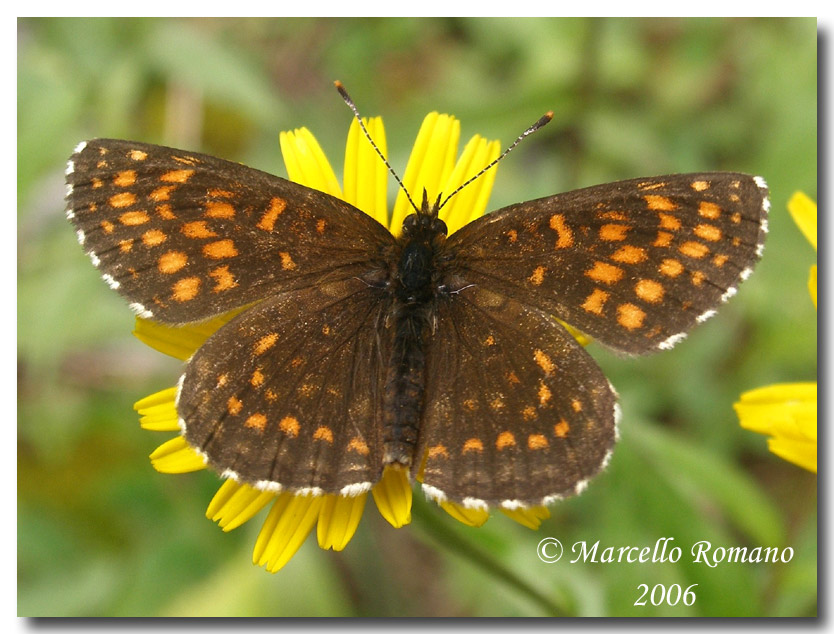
(352, 106)
(538, 124)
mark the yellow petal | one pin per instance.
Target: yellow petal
(306, 162)
(392, 495)
(157, 412)
(470, 517)
(804, 212)
(432, 160)
(288, 524)
(338, 520)
(176, 456)
(779, 408)
(812, 284)
(179, 342)
(788, 413)
(470, 202)
(800, 453)
(531, 517)
(366, 177)
(236, 503)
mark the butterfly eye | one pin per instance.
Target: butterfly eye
(438, 226)
(410, 224)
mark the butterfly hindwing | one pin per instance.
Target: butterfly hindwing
(517, 413)
(185, 236)
(289, 393)
(634, 264)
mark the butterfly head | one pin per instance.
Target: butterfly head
(425, 220)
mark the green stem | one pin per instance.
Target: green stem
(439, 529)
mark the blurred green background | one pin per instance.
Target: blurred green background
(101, 533)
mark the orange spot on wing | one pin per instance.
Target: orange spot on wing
(438, 451)
(537, 276)
(529, 413)
(668, 221)
(276, 208)
(543, 361)
(265, 343)
(710, 233)
(107, 226)
(630, 255)
(561, 429)
(161, 193)
(576, 405)
(630, 316)
(604, 272)
(256, 421)
(694, 249)
(197, 229)
(659, 203)
(220, 249)
(321, 223)
(257, 378)
(176, 176)
(224, 280)
(138, 155)
(220, 193)
(720, 260)
(124, 199)
(286, 261)
(185, 289)
(171, 262)
(323, 433)
(165, 211)
(700, 186)
(709, 210)
(125, 178)
(664, 239)
(125, 246)
(505, 439)
(133, 218)
(473, 444)
(537, 441)
(290, 426)
(234, 405)
(544, 394)
(359, 446)
(219, 210)
(595, 301)
(564, 233)
(613, 232)
(153, 237)
(649, 291)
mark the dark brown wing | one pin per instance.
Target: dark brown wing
(517, 413)
(634, 264)
(289, 393)
(185, 236)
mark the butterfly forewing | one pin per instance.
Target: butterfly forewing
(634, 264)
(289, 393)
(517, 413)
(185, 236)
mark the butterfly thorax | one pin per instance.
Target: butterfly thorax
(414, 285)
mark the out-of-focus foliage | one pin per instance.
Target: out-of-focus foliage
(100, 533)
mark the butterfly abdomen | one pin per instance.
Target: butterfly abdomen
(414, 288)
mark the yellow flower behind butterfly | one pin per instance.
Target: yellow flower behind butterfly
(787, 412)
(434, 165)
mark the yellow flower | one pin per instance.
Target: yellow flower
(788, 411)
(432, 166)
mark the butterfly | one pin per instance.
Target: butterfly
(443, 355)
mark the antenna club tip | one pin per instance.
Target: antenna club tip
(338, 85)
(547, 115)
